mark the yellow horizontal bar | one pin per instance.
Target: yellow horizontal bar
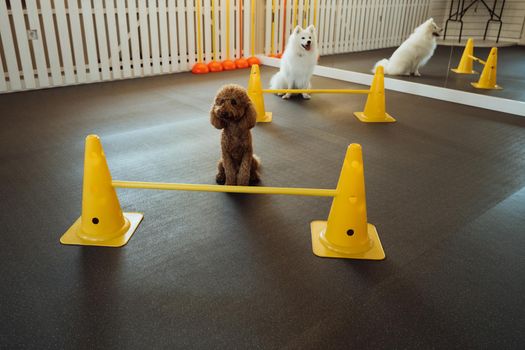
(317, 192)
(315, 91)
(477, 59)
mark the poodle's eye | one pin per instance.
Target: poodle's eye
(233, 102)
(302, 38)
(309, 37)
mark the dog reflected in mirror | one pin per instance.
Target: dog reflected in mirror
(233, 112)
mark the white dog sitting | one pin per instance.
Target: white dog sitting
(298, 62)
(414, 52)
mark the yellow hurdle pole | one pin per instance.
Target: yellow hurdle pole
(272, 35)
(316, 91)
(253, 28)
(478, 59)
(213, 30)
(199, 34)
(305, 10)
(227, 29)
(295, 13)
(315, 192)
(315, 13)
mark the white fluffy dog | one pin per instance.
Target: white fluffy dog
(298, 62)
(413, 52)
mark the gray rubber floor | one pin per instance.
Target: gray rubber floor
(445, 189)
(510, 72)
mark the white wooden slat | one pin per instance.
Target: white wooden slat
(343, 27)
(357, 23)
(247, 24)
(351, 36)
(183, 53)
(9, 49)
(267, 37)
(144, 37)
(338, 24)
(221, 10)
(232, 30)
(300, 13)
(399, 23)
(23, 44)
(191, 46)
(324, 25)
(385, 16)
(3, 83)
(207, 32)
(366, 20)
(90, 41)
(333, 20)
(65, 45)
(124, 38)
(282, 26)
(311, 9)
(134, 38)
(38, 48)
(276, 29)
(163, 32)
(377, 25)
(326, 31)
(102, 39)
(173, 36)
(51, 42)
(114, 48)
(154, 36)
(78, 41)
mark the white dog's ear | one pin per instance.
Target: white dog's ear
(311, 28)
(297, 29)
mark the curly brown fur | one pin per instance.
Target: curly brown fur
(233, 112)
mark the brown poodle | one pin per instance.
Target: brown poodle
(233, 112)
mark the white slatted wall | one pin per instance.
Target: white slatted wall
(346, 25)
(83, 41)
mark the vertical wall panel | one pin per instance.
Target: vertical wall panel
(173, 36)
(38, 47)
(144, 37)
(51, 41)
(114, 48)
(163, 37)
(23, 45)
(102, 39)
(90, 41)
(124, 39)
(78, 41)
(65, 46)
(134, 38)
(154, 36)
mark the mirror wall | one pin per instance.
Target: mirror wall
(448, 53)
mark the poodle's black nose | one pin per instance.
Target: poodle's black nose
(308, 42)
(223, 115)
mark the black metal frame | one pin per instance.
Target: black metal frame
(461, 10)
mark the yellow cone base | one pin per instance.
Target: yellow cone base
(478, 86)
(267, 118)
(375, 252)
(456, 70)
(386, 119)
(71, 236)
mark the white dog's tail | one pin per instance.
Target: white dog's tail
(384, 63)
(278, 81)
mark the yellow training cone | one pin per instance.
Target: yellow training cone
(255, 92)
(347, 234)
(487, 80)
(102, 222)
(375, 103)
(466, 62)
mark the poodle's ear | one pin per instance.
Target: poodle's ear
(215, 120)
(250, 116)
(311, 28)
(297, 30)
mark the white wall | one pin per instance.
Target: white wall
(476, 18)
